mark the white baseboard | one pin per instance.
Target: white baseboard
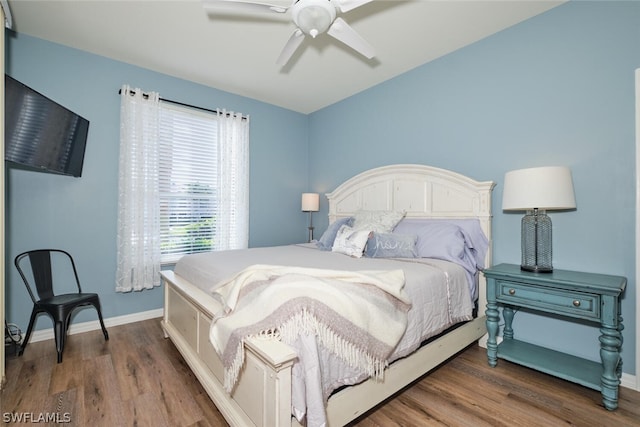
(630, 381)
(77, 328)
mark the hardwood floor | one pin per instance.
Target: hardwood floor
(138, 378)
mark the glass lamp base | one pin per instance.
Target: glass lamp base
(536, 268)
(536, 242)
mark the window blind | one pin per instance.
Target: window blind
(187, 180)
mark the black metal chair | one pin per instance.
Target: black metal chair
(59, 307)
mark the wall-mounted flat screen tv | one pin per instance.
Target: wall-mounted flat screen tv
(41, 134)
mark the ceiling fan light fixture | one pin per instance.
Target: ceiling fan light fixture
(313, 17)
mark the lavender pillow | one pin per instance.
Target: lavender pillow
(444, 241)
(458, 240)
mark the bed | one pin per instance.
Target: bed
(262, 395)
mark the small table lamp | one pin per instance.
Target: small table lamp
(310, 203)
(536, 190)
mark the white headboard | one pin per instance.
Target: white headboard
(422, 191)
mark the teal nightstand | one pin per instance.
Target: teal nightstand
(587, 296)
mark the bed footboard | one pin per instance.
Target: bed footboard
(262, 396)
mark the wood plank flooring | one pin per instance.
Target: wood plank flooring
(138, 378)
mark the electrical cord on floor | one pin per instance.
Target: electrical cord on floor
(12, 333)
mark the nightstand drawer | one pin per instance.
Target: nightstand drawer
(557, 301)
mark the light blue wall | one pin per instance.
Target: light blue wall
(80, 214)
(557, 89)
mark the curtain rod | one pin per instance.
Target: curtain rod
(133, 92)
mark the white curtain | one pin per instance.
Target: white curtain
(232, 216)
(138, 255)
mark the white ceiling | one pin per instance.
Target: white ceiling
(237, 53)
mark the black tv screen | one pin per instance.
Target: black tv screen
(42, 134)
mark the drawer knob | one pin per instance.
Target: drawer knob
(512, 291)
(576, 303)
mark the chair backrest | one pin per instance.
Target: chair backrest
(41, 270)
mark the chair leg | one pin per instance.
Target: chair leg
(60, 330)
(104, 330)
(25, 341)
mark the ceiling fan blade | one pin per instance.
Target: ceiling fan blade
(343, 32)
(347, 5)
(242, 6)
(289, 49)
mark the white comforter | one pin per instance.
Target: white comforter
(438, 290)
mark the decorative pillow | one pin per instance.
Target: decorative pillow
(391, 245)
(329, 236)
(378, 221)
(350, 242)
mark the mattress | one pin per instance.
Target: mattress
(440, 294)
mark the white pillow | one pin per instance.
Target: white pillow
(378, 221)
(350, 242)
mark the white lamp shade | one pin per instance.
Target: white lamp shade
(310, 202)
(545, 188)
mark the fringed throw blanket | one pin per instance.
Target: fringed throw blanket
(358, 315)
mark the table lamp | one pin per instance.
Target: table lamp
(537, 190)
(310, 203)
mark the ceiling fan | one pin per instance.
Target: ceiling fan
(311, 18)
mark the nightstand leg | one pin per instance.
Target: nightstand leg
(493, 319)
(620, 328)
(610, 343)
(507, 313)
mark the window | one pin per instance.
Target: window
(183, 185)
(187, 180)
